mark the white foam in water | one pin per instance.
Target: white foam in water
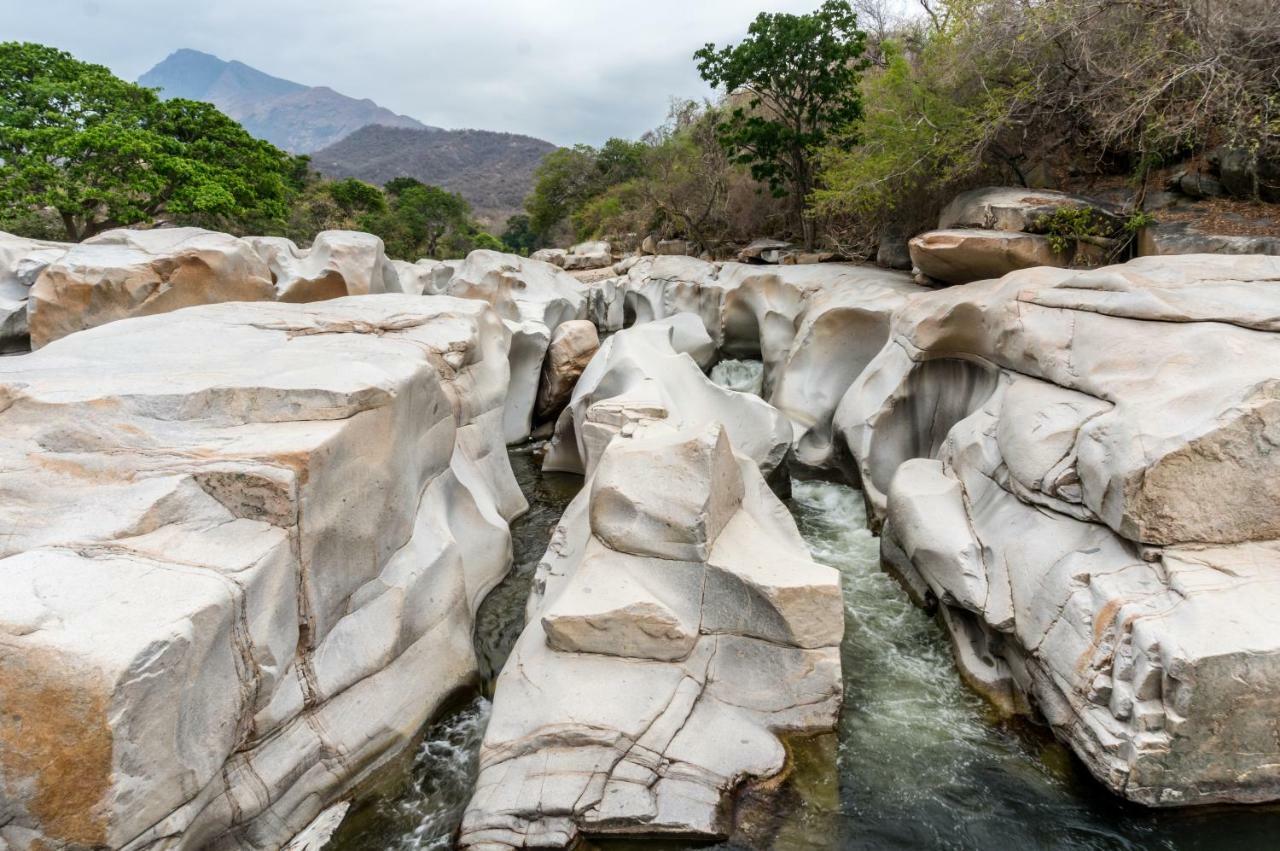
(446, 765)
(744, 376)
(921, 762)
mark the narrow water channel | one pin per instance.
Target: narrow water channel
(422, 808)
(920, 763)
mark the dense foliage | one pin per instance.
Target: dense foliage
(866, 134)
(82, 151)
(790, 84)
(97, 152)
(1045, 93)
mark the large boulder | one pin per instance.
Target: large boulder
(533, 298)
(1080, 468)
(963, 255)
(1159, 240)
(124, 273)
(242, 569)
(655, 372)
(1248, 173)
(588, 255)
(1006, 208)
(21, 262)
(425, 277)
(338, 263)
(764, 251)
(554, 256)
(677, 625)
(572, 346)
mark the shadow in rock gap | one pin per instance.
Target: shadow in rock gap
(421, 806)
(920, 762)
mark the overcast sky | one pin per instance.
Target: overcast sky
(564, 70)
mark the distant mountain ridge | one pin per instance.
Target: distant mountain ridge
(349, 137)
(297, 118)
(493, 171)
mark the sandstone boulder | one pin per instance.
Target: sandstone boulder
(21, 262)
(554, 256)
(672, 247)
(1160, 240)
(245, 546)
(1016, 209)
(589, 255)
(764, 251)
(124, 273)
(571, 349)
(338, 263)
(960, 256)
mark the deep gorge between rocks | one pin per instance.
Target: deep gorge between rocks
(1091, 507)
(921, 761)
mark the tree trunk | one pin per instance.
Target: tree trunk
(800, 187)
(69, 227)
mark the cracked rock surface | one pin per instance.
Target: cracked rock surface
(123, 273)
(1082, 468)
(679, 580)
(655, 371)
(244, 547)
(533, 298)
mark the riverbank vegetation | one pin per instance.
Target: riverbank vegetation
(1039, 93)
(82, 151)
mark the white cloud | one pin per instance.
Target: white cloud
(569, 71)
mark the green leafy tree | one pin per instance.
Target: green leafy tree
(519, 235)
(564, 181)
(103, 153)
(419, 218)
(355, 197)
(791, 83)
(569, 179)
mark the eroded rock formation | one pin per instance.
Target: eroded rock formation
(573, 345)
(533, 298)
(124, 273)
(814, 328)
(243, 547)
(1082, 469)
(338, 263)
(677, 579)
(653, 371)
(21, 262)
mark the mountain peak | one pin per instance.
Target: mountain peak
(298, 118)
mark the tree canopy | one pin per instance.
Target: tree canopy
(567, 179)
(103, 153)
(791, 82)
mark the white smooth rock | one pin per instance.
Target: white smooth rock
(535, 298)
(338, 263)
(124, 273)
(246, 544)
(1081, 467)
(705, 618)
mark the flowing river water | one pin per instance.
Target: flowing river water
(918, 762)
